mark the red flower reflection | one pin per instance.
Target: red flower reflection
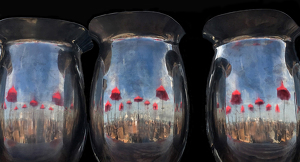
(277, 108)
(228, 110)
(11, 95)
(107, 106)
(161, 93)
(33, 103)
(250, 107)
(283, 93)
(121, 106)
(236, 98)
(242, 109)
(115, 94)
(268, 107)
(155, 106)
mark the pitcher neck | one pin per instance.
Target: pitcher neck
(264, 23)
(107, 28)
(46, 30)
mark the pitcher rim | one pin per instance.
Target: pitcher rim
(94, 24)
(214, 34)
(45, 29)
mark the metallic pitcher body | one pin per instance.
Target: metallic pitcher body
(253, 87)
(42, 113)
(139, 104)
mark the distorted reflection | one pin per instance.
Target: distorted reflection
(257, 112)
(138, 105)
(41, 106)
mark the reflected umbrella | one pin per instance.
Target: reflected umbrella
(107, 108)
(155, 107)
(56, 98)
(72, 106)
(283, 94)
(242, 111)
(235, 100)
(24, 107)
(162, 94)
(146, 105)
(121, 107)
(115, 95)
(138, 99)
(11, 97)
(129, 103)
(228, 111)
(129, 106)
(259, 102)
(33, 103)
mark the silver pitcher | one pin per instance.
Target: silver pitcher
(42, 113)
(252, 108)
(139, 104)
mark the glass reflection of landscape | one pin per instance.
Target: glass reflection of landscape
(40, 103)
(138, 101)
(254, 99)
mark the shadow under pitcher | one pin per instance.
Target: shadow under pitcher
(253, 89)
(139, 104)
(42, 113)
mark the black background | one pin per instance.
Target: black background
(196, 52)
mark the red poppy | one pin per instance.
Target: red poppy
(259, 101)
(33, 103)
(56, 98)
(11, 95)
(242, 109)
(155, 107)
(268, 107)
(283, 93)
(161, 93)
(138, 99)
(228, 110)
(115, 94)
(24, 106)
(236, 98)
(147, 103)
(16, 108)
(107, 106)
(217, 104)
(277, 108)
(121, 106)
(129, 103)
(71, 106)
(51, 108)
(5, 106)
(42, 106)
(250, 107)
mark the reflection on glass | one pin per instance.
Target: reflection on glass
(138, 86)
(42, 113)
